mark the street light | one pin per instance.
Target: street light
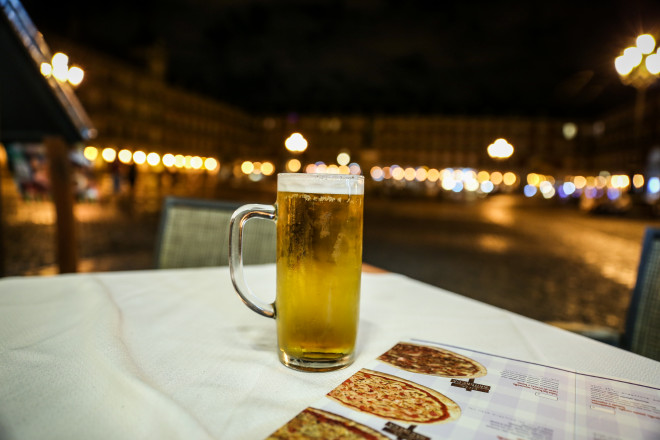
(500, 149)
(60, 70)
(296, 143)
(639, 67)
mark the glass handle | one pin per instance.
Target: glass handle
(236, 226)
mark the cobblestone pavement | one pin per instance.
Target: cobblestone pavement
(108, 239)
(551, 263)
(548, 263)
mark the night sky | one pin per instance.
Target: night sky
(375, 56)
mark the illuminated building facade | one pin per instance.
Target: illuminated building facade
(133, 108)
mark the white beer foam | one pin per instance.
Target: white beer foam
(320, 183)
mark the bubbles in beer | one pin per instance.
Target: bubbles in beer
(319, 263)
(319, 226)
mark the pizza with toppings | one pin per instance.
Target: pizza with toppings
(314, 423)
(394, 398)
(432, 360)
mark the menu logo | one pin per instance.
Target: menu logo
(470, 385)
(404, 433)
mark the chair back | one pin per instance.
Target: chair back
(642, 334)
(195, 233)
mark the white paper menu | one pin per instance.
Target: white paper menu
(508, 399)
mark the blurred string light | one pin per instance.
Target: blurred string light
(568, 188)
(530, 190)
(605, 184)
(377, 174)
(343, 158)
(483, 176)
(450, 179)
(256, 170)
(509, 178)
(458, 180)
(109, 154)
(59, 69)
(397, 172)
(125, 156)
(267, 168)
(454, 180)
(293, 165)
(354, 168)
(90, 153)
(421, 174)
(547, 189)
(432, 175)
(487, 186)
(210, 163)
(247, 167)
(321, 167)
(139, 157)
(196, 162)
(569, 130)
(169, 160)
(154, 159)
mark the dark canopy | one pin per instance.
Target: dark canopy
(31, 105)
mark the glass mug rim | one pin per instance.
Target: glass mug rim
(321, 176)
(348, 184)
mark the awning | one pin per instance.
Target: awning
(31, 105)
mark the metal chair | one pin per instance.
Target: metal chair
(642, 334)
(642, 329)
(195, 233)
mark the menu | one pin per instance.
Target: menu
(421, 390)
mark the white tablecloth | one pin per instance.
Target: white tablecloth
(175, 354)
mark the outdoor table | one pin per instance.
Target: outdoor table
(176, 354)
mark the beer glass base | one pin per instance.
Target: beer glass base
(316, 364)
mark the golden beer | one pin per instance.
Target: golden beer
(319, 264)
(319, 260)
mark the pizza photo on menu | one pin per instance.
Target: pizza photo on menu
(317, 423)
(435, 361)
(394, 398)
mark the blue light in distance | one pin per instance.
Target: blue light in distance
(487, 186)
(613, 193)
(529, 190)
(569, 188)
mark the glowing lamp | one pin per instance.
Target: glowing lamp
(500, 149)
(296, 143)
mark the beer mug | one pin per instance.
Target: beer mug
(319, 263)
